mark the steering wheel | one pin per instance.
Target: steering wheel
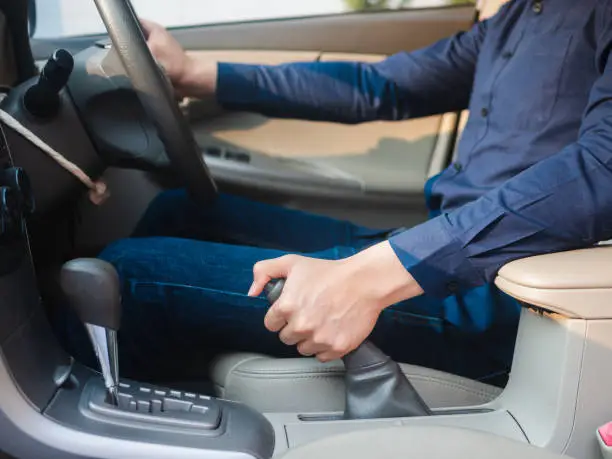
(157, 96)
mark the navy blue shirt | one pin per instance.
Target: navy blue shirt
(534, 166)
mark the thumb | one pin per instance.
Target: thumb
(265, 271)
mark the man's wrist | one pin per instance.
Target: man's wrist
(199, 77)
(386, 279)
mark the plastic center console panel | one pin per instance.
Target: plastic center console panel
(156, 415)
(160, 407)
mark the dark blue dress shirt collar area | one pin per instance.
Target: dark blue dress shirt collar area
(534, 166)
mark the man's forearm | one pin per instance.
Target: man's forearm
(432, 80)
(343, 92)
(314, 91)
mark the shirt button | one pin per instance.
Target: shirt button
(507, 54)
(537, 7)
(457, 166)
(484, 112)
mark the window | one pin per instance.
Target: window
(63, 18)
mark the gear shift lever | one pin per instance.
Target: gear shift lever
(92, 289)
(375, 385)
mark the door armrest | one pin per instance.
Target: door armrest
(575, 284)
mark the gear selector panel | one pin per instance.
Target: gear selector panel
(143, 404)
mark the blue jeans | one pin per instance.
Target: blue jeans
(185, 274)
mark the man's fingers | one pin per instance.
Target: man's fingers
(290, 335)
(265, 271)
(308, 348)
(147, 27)
(274, 321)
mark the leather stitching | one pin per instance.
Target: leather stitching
(234, 369)
(300, 376)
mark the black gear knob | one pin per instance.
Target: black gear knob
(273, 290)
(42, 98)
(93, 290)
(375, 385)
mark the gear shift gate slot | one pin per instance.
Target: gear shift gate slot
(148, 407)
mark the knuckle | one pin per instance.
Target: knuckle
(304, 349)
(319, 339)
(340, 346)
(303, 326)
(284, 337)
(290, 258)
(257, 267)
(284, 307)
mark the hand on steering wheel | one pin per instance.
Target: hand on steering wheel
(157, 97)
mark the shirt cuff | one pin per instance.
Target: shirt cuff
(435, 259)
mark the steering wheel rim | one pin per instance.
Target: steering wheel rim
(156, 95)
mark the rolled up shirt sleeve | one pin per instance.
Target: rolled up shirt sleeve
(561, 203)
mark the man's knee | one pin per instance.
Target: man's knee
(123, 255)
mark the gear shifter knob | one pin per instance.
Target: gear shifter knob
(92, 289)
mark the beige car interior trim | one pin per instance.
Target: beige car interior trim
(330, 57)
(305, 139)
(418, 442)
(576, 283)
(265, 57)
(391, 31)
(488, 8)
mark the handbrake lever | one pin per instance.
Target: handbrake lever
(375, 385)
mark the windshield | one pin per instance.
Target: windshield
(63, 18)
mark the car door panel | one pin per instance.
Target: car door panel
(380, 32)
(381, 156)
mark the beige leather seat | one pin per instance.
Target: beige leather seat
(305, 385)
(418, 443)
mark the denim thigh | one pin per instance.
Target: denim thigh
(185, 300)
(184, 294)
(241, 221)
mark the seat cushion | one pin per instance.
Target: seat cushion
(418, 442)
(304, 385)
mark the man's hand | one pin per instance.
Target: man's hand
(190, 76)
(328, 308)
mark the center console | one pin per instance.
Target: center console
(157, 415)
(52, 407)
